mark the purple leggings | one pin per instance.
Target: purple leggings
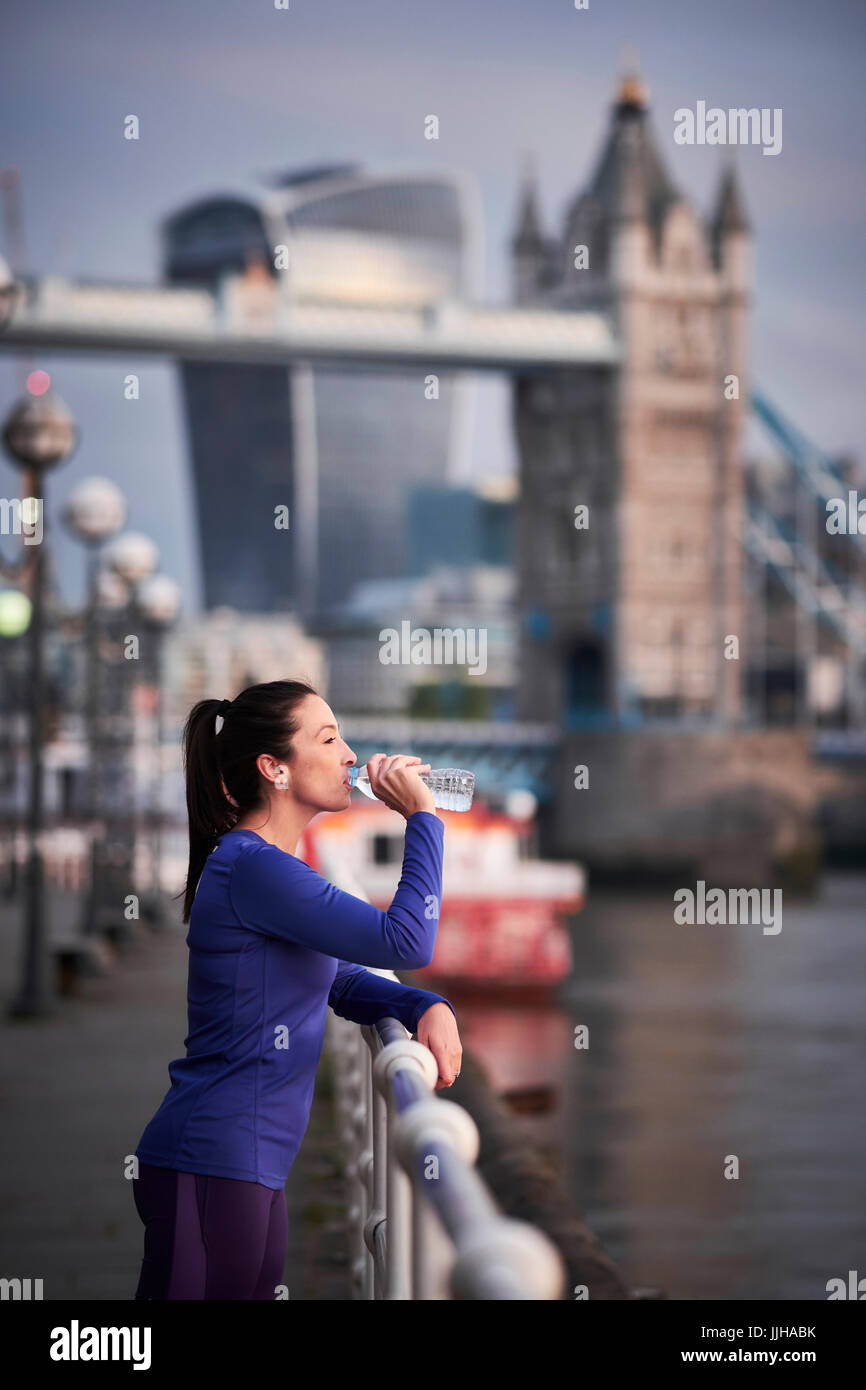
(208, 1237)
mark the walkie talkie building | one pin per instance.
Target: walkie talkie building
(342, 447)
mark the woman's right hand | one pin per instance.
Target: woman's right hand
(395, 781)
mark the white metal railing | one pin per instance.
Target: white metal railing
(422, 1222)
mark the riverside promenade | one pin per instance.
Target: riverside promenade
(77, 1090)
(79, 1086)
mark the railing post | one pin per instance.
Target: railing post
(398, 1206)
(368, 1161)
(375, 1226)
(356, 1127)
(432, 1254)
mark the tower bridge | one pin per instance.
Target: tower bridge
(620, 359)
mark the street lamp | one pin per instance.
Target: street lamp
(159, 598)
(39, 433)
(95, 510)
(111, 592)
(15, 611)
(8, 294)
(132, 557)
(113, 599)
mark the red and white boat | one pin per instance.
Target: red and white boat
(501, 924)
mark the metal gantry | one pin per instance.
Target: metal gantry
(789, 548)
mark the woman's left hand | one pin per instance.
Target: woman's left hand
(437, 1029)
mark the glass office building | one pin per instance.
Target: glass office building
(369, 435)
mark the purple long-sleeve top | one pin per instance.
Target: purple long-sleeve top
(271, 945)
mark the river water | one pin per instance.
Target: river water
(710, 1048)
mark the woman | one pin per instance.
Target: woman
(272, 944)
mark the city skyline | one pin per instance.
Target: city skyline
(233, 113)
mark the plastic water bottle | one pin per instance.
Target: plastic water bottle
(452, 787)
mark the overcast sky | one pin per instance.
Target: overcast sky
(226, 92)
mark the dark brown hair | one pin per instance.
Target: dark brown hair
(222, 779)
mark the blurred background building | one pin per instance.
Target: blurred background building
(342, 448)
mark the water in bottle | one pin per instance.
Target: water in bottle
(452, 787)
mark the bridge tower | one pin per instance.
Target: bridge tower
(625, 609)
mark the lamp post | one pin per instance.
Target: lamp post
(159, 599)
(39, 434)
(111, 592)
(15, 613)
(112, 731)
(132, 557)
(95, 510)
(8, 294)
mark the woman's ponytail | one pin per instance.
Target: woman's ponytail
(210, 810)
(223, 781)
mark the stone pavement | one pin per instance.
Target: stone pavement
(76, 1090)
